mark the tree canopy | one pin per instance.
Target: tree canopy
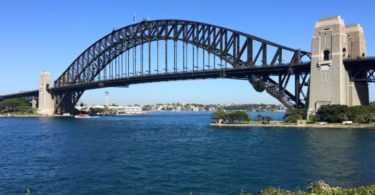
(339, 113)
(15, 105)
(237, 116)
(292, 115)
(219, 114)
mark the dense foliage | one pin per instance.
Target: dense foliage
(95, 111)
(219, 114)
(16, 105)
(292, 115)
(237, 116)
(263, 119)
(339, 113)
(254, 107)
(332, 113)
(267, 119)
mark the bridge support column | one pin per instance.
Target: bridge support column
(357, 49)
(329, 82)
(66, 101)
(66, 105)
(46, 104)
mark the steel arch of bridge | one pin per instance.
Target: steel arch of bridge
(239, 49)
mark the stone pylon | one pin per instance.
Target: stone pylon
(46, 104)
(332, 43)
(358, 91)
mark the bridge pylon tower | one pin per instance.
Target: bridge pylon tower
(46, 104)
(332, 43)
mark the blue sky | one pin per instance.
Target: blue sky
(49, 35)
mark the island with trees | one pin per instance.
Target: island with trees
(224, 118)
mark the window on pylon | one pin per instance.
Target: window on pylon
(327, 55)
(344, 52)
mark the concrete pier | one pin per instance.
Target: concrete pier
(46, 104)
(329, 82)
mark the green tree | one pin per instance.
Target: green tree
(360, 118)
(219, 114)
(342, 117)
(95, 111)
(239, 116)
(339, 113)
(371, 117)
(268, 119)
(15, 105)
(366, 112)
(292, 115)
(231, 117)
(333, 113)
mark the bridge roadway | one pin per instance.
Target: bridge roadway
(234, 73)
(33, 93)
(362, 69)
(238, 73)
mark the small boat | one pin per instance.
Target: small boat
(82, 116)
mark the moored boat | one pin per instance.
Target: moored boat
(82, 116)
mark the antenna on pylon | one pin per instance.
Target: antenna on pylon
(134, 17)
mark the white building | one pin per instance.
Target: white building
(112, 109)
(129, 110)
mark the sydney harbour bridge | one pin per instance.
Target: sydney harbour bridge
(336, 71)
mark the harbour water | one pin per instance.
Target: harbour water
(170, 153)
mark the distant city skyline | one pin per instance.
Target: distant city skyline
(107, 101)
(47, 35)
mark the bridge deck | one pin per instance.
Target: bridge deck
(235, 73)
(368, 62)
(33, 93)
(361, 69)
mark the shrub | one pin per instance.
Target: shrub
(238, 116)
(292, 115)
(219, 114)
(333, 113)
(339, 113)
(268, 119)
